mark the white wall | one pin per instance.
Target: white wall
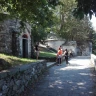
(93, 60)
(55, 43)
(71, 45)
(85, 49)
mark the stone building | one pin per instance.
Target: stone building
(55, 42)
(82, 48)
(71, 46)
(14, 40)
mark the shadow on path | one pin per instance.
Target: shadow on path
(75, 79)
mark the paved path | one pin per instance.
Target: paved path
(76, 79)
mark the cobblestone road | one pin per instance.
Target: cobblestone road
(76, 79)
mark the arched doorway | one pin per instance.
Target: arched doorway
(25, 45)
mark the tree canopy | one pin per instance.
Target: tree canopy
(27, 9)
(69, 27)
(37, 12)
(87, 7)
(40, 13)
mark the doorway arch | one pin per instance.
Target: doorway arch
(25, 45)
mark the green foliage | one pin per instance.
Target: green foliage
(53, 2)
(14, 61)
(87, 7)
(78, 13)
(26, 10)
(71, 28)
(94, 43)
(47, 54)
(37, 12)
(39, 33)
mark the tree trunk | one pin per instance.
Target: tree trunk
(32, 47)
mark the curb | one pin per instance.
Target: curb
(50, 64)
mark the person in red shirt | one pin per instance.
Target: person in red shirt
(59, 56)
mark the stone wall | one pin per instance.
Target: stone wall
(84, 48)
(7, 28)
(5, 37)
(13, 81)
(93, 60)
(11, 38)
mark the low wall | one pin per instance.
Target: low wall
(93, 60)
(13, 82)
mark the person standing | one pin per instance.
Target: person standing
(61, 53)
(37, 50)
(59, 56)
(66, 55)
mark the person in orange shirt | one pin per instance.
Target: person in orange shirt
(59, 56)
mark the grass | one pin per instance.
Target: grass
(14, 61)
(47, 54)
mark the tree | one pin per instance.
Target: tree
(94, 42)
(71, 28)
(38, 13)
(25, 10)
(85, 7)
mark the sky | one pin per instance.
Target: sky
(93, 20)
